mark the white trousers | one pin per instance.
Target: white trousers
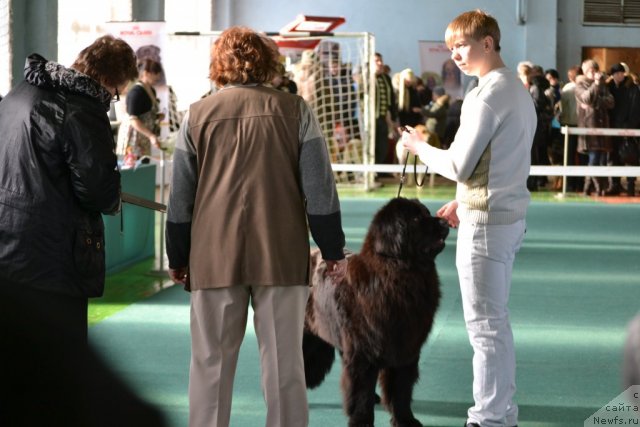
(484, 259)
(218, 323)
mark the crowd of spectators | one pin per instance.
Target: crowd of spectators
(589, 98)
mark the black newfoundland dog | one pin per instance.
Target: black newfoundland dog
(380, 315)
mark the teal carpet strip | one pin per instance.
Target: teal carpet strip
(576, 284)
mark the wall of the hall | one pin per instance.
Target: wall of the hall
(399, 25)
(5, 47)
(552, 36)
(34, 29)
(572, 35)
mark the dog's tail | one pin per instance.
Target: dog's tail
(318, 359)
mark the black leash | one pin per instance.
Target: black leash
(403, 177)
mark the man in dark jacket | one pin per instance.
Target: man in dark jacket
(621, 116)
(539, 87)
(386, 110)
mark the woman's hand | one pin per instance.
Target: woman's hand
(154, 141)
(136, 123)
(336, 270)
(179, 275)
(448, 213)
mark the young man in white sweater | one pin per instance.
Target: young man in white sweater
(490, 160)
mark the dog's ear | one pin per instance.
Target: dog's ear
(387, 233)
(388, 236)
(422, 206)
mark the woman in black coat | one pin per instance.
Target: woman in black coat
(58, 174)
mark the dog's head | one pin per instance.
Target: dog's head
(404, 229)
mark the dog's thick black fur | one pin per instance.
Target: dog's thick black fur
(379, 317)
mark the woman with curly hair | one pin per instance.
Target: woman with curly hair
(250, 171)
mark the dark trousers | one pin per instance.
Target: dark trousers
(596, 158)
(575, 183)
(613, 159)
(69, 313)
(382, 140)
(49, 374)
(36, 311)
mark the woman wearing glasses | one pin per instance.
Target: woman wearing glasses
(57, 175)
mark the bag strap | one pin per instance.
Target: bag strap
(154, 100)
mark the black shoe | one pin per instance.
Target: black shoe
(612, 191)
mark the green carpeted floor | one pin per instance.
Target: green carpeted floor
(125, 288)
(576, 284)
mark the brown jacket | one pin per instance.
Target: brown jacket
(593, 103)
(249, 224)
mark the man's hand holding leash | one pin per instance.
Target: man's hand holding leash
(411, 142)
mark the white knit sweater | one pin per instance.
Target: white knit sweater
(490, 156)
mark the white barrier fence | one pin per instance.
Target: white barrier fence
(594, 170)
(536, 170)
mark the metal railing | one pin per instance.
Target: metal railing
(536, 170)
(566, 171)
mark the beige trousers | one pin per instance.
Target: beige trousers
(218, 323)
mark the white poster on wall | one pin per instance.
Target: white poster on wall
(438, 69)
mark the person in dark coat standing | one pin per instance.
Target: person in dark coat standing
(386, 110)
(58, 174)
(623, 115)
(594, 102)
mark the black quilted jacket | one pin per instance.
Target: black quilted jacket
(57, 175)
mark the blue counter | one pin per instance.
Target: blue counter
(137, 241)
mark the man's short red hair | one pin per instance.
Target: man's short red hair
(476, 24)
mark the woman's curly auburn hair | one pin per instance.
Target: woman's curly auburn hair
(109, 61)
(242, 56)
